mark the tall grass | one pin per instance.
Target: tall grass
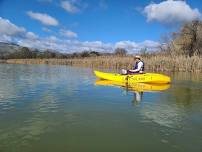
(152, 63)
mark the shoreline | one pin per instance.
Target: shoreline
(152, 63)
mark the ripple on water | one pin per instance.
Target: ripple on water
(167, 115)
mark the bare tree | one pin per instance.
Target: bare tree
(189, 40)
(120, 52)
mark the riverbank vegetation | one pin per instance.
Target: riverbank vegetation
(180, 51)
(152, 63)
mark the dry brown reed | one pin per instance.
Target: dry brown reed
(152, 63)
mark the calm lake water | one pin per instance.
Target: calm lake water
(60, 109)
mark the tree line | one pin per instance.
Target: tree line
(26, 53)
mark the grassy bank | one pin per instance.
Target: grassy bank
(152, 63)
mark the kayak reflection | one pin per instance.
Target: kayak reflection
(140, 87)
(136, 88)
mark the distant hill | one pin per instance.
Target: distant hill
(15, 51)
(8, 48)
(12, 50)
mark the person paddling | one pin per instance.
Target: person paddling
(138, 67)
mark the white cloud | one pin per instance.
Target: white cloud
(10, 32)
(93, 45)
(52, 39)
(8, 28)
(126, 44)
(68, 33)
(149, 44)
(5, 38)
(67, 46)
(70, 46)
(43, 18)
(170, 12)
(31, 36)
(20, 36)
(70, 6)
(135, 47)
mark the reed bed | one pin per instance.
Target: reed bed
(152, 63)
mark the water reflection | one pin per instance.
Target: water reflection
(140, 87)
(154, 108)
(137, 97)
(32, 100)
(136, 88)
(187, 76)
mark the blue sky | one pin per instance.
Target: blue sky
(102, 25)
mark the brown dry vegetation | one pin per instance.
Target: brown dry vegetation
(152, 63)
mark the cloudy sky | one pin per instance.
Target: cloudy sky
(101, 25)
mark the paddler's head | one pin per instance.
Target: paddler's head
(137, 58)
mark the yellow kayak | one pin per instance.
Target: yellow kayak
(140, 87)
(135, 78)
